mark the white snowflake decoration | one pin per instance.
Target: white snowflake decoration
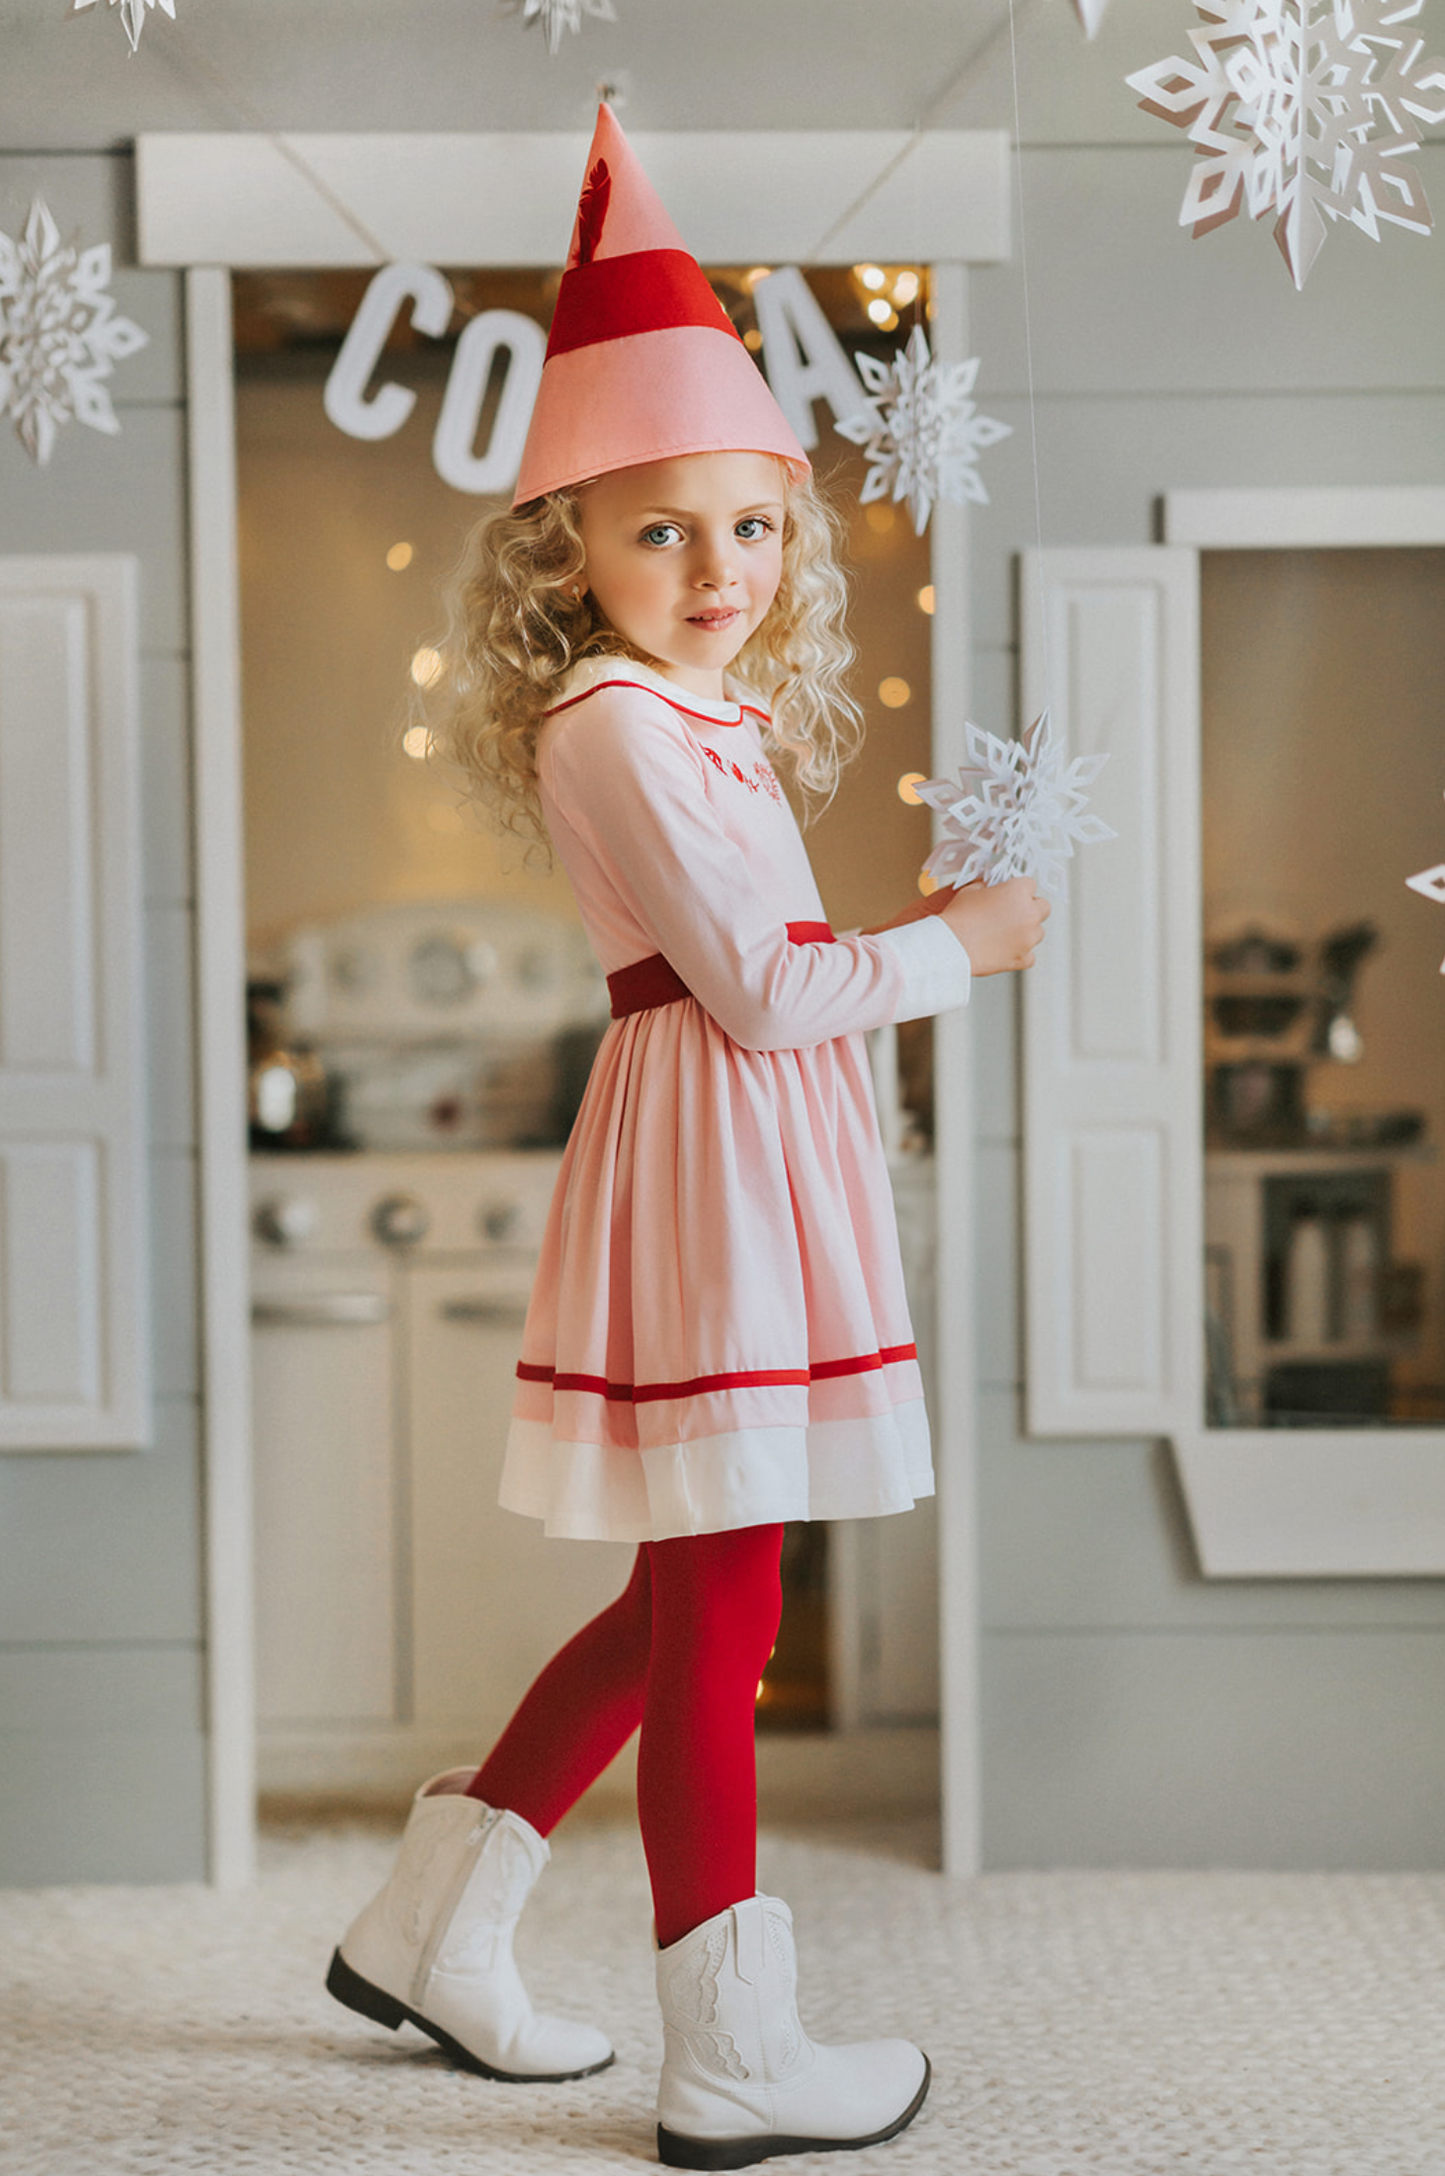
(1430, 884)
(556, 17)
(1015, 809)
(1305, 108)
(1091, 14)
(59, 334)
(920, 431)
(132, 14)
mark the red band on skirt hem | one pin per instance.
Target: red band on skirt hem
(702, 1386)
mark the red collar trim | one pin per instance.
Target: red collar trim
(650, 687)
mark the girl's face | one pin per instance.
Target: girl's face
(684, 558)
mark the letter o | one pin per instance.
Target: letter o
(525, 344)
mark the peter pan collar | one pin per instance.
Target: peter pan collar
(592, 673)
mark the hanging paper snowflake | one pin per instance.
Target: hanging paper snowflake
(1015, 809)
(59, 334)
(557, 16)
(1430, 884)
(1091, 14)
(1305, 108)
(132, 14)
(921, 432)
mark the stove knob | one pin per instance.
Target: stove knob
(285, 1220)
(500, 1221)
(400, 1220)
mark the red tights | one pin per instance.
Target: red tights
(680, 1652)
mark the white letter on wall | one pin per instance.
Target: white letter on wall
(345, 397)
(525, 345)
(805, 358)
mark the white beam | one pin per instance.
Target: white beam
(762, 198)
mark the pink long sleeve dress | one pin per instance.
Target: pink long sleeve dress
(718, 1335)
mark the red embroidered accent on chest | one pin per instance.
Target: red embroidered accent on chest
(761, 778)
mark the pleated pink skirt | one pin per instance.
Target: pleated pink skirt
(718, 1334)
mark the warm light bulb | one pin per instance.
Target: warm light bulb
(881, 311)
(905, 288)
(759, 272)
(926, 598)
(908, 786)
(893, 693)
(880, 517)
(870, 276)
(426, 667)
(399, 557)
(752, 340)
(416, 742)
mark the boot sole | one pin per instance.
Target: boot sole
(676, 2151)
(357, 1994)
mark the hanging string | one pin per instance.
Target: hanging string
(189, 62)
(1029, 355)
(957, 86)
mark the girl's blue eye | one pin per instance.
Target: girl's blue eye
(753, 528)
(661, 532)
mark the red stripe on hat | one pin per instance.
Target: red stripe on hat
(648, 290)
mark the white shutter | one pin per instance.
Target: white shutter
(74, 1264)
(1113, 1153)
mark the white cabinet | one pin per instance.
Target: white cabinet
(401, 1613)
(492, 1597)
(326, 1486)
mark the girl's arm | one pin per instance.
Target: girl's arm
(631, 785)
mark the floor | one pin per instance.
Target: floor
(1080, 2024)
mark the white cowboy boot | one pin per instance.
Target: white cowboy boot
(741, 2080)
(435, 1944)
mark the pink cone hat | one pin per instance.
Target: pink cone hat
(642, 363)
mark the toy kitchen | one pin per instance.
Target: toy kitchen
(413, 1072)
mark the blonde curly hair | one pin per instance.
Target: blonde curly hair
(517, 621)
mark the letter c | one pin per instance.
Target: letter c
(345, 399)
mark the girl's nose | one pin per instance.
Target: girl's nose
(715, 569)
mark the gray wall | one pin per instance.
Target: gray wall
(101, 1727)
(1134, 1713)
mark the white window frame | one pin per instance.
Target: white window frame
(1262, 1502)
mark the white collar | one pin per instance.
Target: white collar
(600, 672)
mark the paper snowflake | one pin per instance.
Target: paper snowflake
(59, 334)
(1091, 14)
(1015, 809)
(558, 16)
(1305, 108)
(132, 14)
(1430, 884)
(920, 430)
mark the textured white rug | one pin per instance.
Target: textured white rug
(1079, 2024)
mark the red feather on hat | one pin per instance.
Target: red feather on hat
(592, 212)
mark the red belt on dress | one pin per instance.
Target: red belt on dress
(648, 983)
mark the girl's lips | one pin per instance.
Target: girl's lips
(713, 619)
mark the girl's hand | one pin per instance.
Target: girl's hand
(1000, 926)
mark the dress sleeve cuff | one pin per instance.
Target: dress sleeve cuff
(937, 975)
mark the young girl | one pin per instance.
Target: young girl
(718, 1339)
